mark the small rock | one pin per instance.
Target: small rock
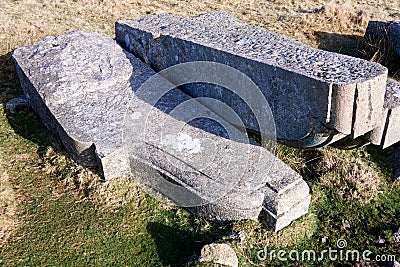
(16, 105)
(396, 237)
(346, 224)
(232, 235)
(380, 240)
(219, 253)
(239, 236)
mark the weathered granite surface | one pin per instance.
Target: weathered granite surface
(316, 97)
(389, 131)
(221, 254)
(94, 96)
(392, 106)
(77, 84)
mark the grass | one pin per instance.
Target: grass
(381, 49)
(54, 212)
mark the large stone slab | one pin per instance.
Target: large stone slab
(316, 97)
(76, 83)
(97, 99)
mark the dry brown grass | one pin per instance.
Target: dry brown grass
(25, 22)
(88, 184)
(256, 238)
(381, 49)
(116, 193)
(350, 173)
(352, 176)
(288, 237)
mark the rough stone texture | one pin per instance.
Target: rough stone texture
(316, 97)
(242, 178)
(391, 134)
(81, 96)
(89, 92)
(381, 29)
(220, 254)
(389, 131)
(18, 104)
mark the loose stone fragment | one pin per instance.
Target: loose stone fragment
(15, 105)
(220, 254)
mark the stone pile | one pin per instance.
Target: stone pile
(184, 136)
(92, 95)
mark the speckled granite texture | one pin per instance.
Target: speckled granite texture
(316, 97)
(389, 132)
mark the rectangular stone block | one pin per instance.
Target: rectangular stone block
(316, 97)
(389, 131)
(112, 111)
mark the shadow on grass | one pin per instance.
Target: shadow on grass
(25, 123)
(311, 171)
(339, 43)
(9, 83)
(385, 159)
(176, 247)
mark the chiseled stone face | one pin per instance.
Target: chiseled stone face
(316, 97)
(88, 91)
(389, 131)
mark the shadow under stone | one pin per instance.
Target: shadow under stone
(386, 159)
(177, 247)
(9, 83)
(25, 123)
